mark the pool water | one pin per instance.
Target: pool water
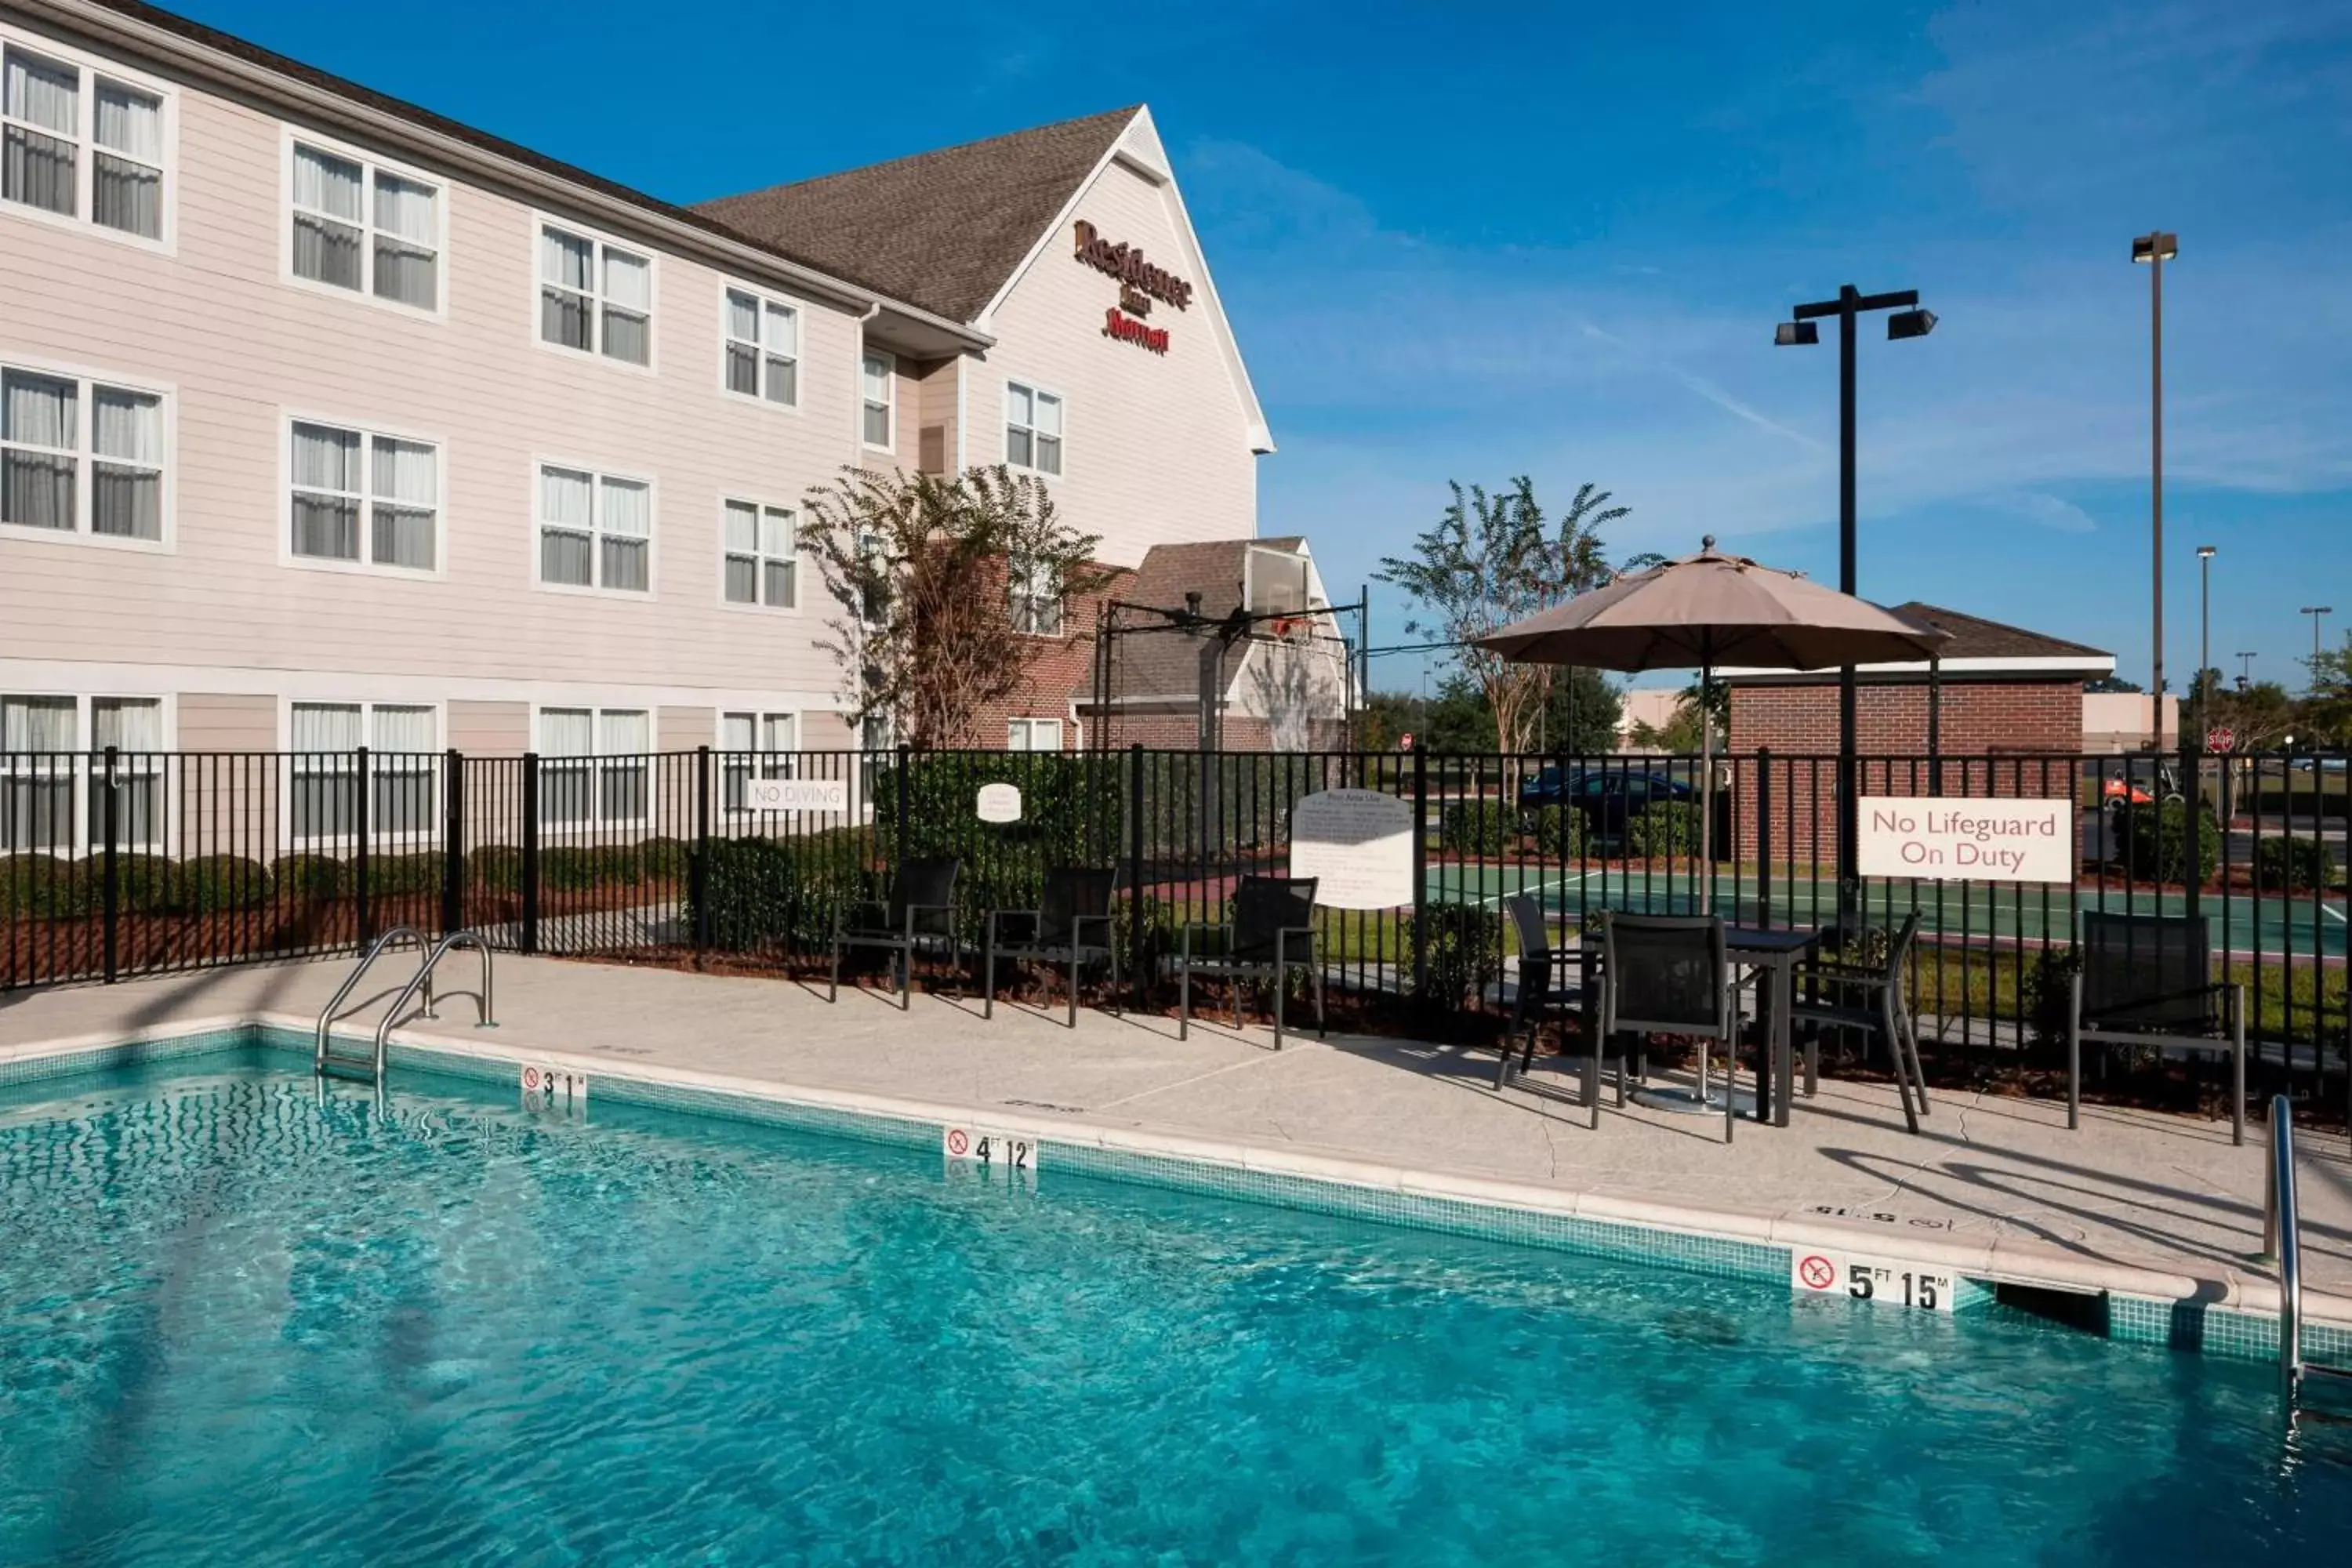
(239, 1325)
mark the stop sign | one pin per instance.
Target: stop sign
(2220, 738)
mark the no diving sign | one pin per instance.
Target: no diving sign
(1865, 1278)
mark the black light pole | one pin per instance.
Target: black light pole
(2315, 612)
(2245, 669)
(1909, 321)
(2153, 250)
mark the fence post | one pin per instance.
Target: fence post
(529, 874)
(453, 841)
(1763, 836)
(899, 814)
(1420, 873)
(364, 788)
(1134, 871)
(698, 875)
(2192, 818)
(113, 870)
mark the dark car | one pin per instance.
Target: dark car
(1606, 797)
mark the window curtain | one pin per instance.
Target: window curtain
(743, 343)
(401, 780)
(128, 194)
(36, 792)
(327, 226)
(565, 547)
(324, 784)
(134, 727)
(628, 528)
(627, 737)
(405, 489)
(35, 169)
(778, 546)
(127, 492)
(565, 266)
(783, 343)
(564, 733)
(326, 525)
(1049, 434)
(326, 727)
(742, 553)
(38, 724)
(407, 233)
(36, 488)
(629, 307)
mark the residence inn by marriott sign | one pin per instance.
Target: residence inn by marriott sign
(1140, 283)
(1967, 840)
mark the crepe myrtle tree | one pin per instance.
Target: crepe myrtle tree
(948, 591)
(1489, 561)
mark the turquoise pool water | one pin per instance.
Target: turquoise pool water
(238, 1326)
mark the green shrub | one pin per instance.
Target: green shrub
(2152, 842)
(1478, 827)
(619, 866)
(2291, 864)
(568, 868)
(768, 890)
(213, 884)
(41, 886)
(1560, 831)
(143, 884)
(389, 876)
(2049, 994)
(1667, 827)
(1464, 953)
(496, 868)
(664, 859)
(311, 877)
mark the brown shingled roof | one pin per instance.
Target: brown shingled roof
(1973, 636)
(941, 229)
(1148, 664)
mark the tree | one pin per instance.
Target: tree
(944, 586)
(1490, 561)
(2113, 683)
(1581, 714)
(2261, 715)
(2328, 711)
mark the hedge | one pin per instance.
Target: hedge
(764, 890)
(1496, 827)
(2294, 864)
(1465, 952)
(1668, 828)
(2152, 842)
(495, 868)
(311, 877)
(41, 886)
(215, 884)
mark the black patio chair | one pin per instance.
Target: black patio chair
(1543, 995)
(1076, 900)
(1669, 974)
(919, 914)
(1870, 998)
(1272, 933)
(2148, 980)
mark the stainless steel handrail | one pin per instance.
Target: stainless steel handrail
(2282, 1239)
(328, 1015)
(424, 977)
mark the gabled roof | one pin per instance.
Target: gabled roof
(942, 229)
(1973, 636)
(1166, 664)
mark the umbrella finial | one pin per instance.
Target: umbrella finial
(1706, 544)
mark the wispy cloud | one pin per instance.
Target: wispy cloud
(2049, 512)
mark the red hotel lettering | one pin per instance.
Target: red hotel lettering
(1127, 329)
(1126, 263)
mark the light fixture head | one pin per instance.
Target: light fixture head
(2156, 247)
(2205, 552)
(1909, 325)
(2317, 610)
(1796, 334)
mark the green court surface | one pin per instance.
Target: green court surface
(2241, 923)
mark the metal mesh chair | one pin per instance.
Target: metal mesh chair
(1669, 974)
(919, 912)
(1074, 903)
(1543, 995)
(1272, 933)
(2148, 980)
(1872, 999)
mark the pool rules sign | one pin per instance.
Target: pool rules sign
(1945, 840)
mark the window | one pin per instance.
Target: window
(367, 229)
(41, 757)
(595, 530)
(1033, 428)
(595, 767)
(1036, 592)
(593, 297)
(762, 555)
(80, 456)
(353, 488)
(876, 379)
(324, 791)
(754, 745)
(1033, 735)
(80, 145)
(763, 347)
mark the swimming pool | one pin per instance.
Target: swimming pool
(243, 1324)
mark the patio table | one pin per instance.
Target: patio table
(1775, 951)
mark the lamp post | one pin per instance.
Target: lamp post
(2315, 612)
(2245, 669)
(2204, 634)
(2153, 249)
(1909, 320)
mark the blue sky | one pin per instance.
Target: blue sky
(1469, 241)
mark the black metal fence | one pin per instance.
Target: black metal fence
(116, 864)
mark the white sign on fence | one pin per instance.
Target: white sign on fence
(796, 794)
(1358, 844)
(1949, 840)
(999, 803)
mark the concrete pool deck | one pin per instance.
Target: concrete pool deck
(2136, 1203)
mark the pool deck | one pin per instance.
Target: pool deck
(2136, 1201)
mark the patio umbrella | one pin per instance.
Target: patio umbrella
(1705, 610)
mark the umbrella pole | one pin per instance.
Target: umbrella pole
(1705, 791)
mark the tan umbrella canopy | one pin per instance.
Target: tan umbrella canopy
(1709, 609)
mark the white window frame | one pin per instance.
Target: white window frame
(1035, 390)
(594, 765)
(87, 763)
(762, 760)
(891, 379)
(597, 474)
(760, 560)
(369, 435)
(1020, 592)
(371, 164)
(400, 841)
(85, 140)
(1026, 730)
(600, 243)
(765, 300)
(85, 435)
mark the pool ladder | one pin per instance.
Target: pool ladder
(326, 1059)
(2282, 1242)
